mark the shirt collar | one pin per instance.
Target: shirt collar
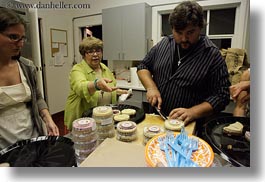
(89, 69)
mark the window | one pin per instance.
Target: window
(227, 22)
(95, 30)
(166, 29)
(222, 21)
(219, 28)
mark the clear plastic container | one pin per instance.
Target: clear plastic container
(86, 145)
(85, 137)
(103, 115)
(126, 138)
(151, 131)
(84, 125)
(84, 153)
(106, 134)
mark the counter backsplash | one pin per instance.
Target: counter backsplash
(123, 73)
(122, 68)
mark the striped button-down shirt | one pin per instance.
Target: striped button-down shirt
(201, 77)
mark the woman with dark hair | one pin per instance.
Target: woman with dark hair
(23, 112)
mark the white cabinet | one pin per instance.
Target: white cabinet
(126, 32)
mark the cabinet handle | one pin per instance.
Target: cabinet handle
(123, 56)
(119, 56)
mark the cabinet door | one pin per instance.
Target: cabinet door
(133, 32)
(111, 27)
(126, 31)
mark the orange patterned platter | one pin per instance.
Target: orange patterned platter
(153, 155)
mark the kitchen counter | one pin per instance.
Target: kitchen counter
(127, 85)
(114, 153)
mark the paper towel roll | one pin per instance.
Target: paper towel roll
(134, 77)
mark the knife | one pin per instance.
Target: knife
(160, 113)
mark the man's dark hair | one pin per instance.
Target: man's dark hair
(186, 13)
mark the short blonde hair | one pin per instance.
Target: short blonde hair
(89, 43)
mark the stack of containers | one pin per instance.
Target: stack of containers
(84, 137)
(126, 131)
(151, 131)
(103, 116)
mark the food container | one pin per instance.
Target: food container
(85, 137)
(87, 145)
(83, 125)
(126, 131)
(84, 153)
(106, 134)
(151, 131)
(173, 124)
(104, 128)
(103, 115)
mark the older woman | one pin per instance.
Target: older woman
(91, 82)
(23, 112)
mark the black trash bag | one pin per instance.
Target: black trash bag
(45, 151)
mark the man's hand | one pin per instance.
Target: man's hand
(153, 97)
(183, 114)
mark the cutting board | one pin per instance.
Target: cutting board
(114, 153)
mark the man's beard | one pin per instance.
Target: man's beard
(186, 43)
(191, 45)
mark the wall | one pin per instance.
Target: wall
(57, 84)
(93, 15)
(71, 19)
(57, 76)
(84, 18)
(57, 81)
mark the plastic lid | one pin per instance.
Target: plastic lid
(175, 122)
(154, 129)
(126, 126)
(84, 124)
(102, 111)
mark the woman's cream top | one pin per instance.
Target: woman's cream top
(15, 118)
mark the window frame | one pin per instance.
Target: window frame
(240, 39)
